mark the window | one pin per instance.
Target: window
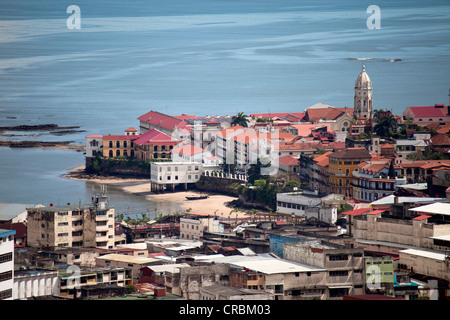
(6, 257)
(338, 273)
(118, 144)
(338, 257)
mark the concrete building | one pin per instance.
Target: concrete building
(193, 226)
(284, 279)
(73, 280)
(379, 272)
(220, 292)
(35, 283)
(133, 263)
(306, 204)
(406, 147)
(171, 174)
(192, 279)
(344, 265)
(165, 275)
(289, 167)
(427, 230)
(90, 225)
(6, 264)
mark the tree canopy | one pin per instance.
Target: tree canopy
(239, 120)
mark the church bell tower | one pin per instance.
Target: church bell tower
(363, 104)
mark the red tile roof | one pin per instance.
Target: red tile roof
(289, 160)
(357, 212)
(428, 111)
(164, 121)
(121, 137)
(154, 136)
(232, 130)
(352, 153)
(422, 217)
(188, 150)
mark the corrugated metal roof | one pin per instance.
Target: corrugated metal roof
(425, 254)
(267, 265)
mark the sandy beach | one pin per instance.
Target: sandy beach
(215, 203)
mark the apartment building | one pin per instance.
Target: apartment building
(344, 265)
(341, 166)
(89, 225)
(193, 226)
(371, 180)
(72, 281)
(6, 264)
(284, 279)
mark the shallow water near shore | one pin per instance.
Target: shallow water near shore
(43, 183)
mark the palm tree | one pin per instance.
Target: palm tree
(239, 120)
(386, 126)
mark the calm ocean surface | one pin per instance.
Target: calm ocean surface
(202, 57)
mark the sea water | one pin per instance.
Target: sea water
(201, 57)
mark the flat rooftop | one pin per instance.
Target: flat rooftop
(128, 259)
(267, 265)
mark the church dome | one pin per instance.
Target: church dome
(363, 80)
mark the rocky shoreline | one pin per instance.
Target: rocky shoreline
(42, 144)
(53, 129)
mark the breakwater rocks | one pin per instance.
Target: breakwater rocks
(42, 144)
(52, 129)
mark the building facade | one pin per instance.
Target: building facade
(170, 174)
(371, 181)
(363, 101)
(344, 265)
(6, 264)
(341, 166)
(193, 226)
(72, 225)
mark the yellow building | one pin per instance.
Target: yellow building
(120, 145)
(341, 166)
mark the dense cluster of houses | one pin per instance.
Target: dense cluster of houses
(369, 218)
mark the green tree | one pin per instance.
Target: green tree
(254, 172)
(386, 126)
(391, 172)
(239, 120)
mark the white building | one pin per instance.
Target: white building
(6, 264)
(94, 145)
(170, 174)
(29, 284)
(306, 204)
